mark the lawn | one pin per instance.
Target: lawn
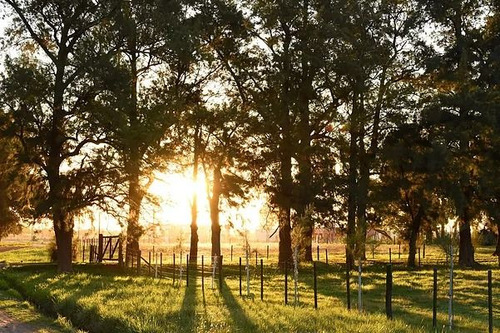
(100, 298)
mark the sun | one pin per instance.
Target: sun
(175, 193)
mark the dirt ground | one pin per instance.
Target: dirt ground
(8, 324)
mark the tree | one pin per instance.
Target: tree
(148, 85)
(455, 110)
(409, 183)
(47, 93)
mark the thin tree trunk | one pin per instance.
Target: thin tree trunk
(214, 211)
(352, 185)
(193, 249)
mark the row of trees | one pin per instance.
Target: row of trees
(360, 114)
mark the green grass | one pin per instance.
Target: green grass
(26, 255)
(12, 303)
(103, 299)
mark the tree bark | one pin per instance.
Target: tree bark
(465, 249)
(193, 249)
(134, 229)
(352, 186)
(414, 231)
(215, 210)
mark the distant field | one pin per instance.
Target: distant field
(100, 298)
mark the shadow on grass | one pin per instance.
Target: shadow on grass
(185, 319)
(240, 320)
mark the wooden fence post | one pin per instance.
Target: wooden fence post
(317, 253)
(388, 292)
(419, 263)
(83, 252)
(399, 252)
(203, 274)
(149, 266)
(267, 251)
(231, 253)
(100, 253)
(390, 256)
(434, 300)
(173, 274)
(348, 286)
(139, 262)
(240, 276)
(187, 270)
(120, 252)
(261, 279)
(326, 256)
(490, 303)
(161, 263)
(220, 272)
(286, 282)
(360, 287)
(315, 286)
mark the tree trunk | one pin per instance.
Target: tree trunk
(413, 237)
(214, 211)
(193, 249)
(352, 186)
(284, 201)
(134, 229)
(64, 241)
(305, 179)
(465, 250)
(284, 196)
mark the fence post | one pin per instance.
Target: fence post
(256, 259)
(390, 256)
(267, 251)
(261, 279)
(434, 300)
(315, 286)
(231, 253)
(100, 255)
(139, 262)
(450, 295)
(220, 272)
(360, 300)
(120, 252)
(161, 263)
(399, 252)
(149, 266)
(83, 252)
(388, 292)
(419, 263)
(317, 253)
(490, 303)
(286, 282)
(423, 252)
(348, 286)
(173, 274)
(326, 256)
(187, 270)
(240, 276)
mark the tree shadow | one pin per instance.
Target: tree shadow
(238, 316)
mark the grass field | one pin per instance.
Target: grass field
(104, 299)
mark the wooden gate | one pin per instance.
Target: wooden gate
(107, 249)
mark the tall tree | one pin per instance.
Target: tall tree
(455, 110)
(154, 62)
(48, 95)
